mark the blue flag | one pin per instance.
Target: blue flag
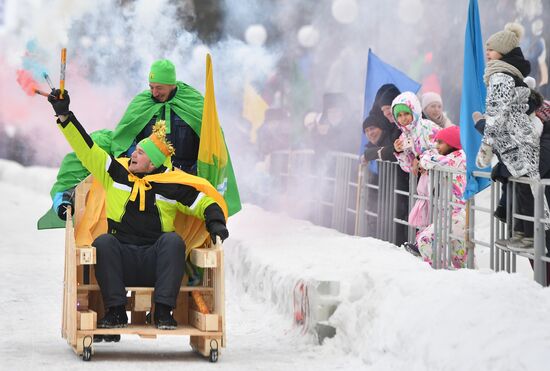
(378, 74)
(473, 99)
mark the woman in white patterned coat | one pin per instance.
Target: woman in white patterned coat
(508, 129)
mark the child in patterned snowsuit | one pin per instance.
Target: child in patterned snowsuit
(417, 133)
(448, 153)
(417, 137)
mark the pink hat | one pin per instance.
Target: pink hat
(450, 135)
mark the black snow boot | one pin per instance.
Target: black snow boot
(412, 248)
(115, 318)
(163, 318)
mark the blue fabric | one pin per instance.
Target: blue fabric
(473, 99)
(373, 167)
(378, 74)
(131, 149)
(57, 199)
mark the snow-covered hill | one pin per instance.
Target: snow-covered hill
(395, 312)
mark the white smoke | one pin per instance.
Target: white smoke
(110, 46)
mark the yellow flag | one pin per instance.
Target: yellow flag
(212, 147)
(214, 161)
(254, 107)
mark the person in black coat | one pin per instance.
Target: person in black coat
(376, 131)
(383, 150)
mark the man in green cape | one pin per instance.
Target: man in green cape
(179, 104)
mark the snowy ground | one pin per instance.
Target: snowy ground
(396, 313)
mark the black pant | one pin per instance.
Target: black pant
(402, 207)
(160, 265)
(525, 206)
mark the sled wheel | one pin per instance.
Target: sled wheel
(213, 351)
(87, 349)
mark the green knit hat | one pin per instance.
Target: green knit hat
(156, 146)
(163, 72)
(400, 107)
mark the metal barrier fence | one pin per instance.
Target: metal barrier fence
(336, 191)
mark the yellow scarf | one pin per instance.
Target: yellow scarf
(140, 186)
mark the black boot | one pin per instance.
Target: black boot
(115, 318)
(163, 318)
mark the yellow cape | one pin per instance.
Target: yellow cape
(93, 221)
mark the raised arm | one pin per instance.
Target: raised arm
(94, 159)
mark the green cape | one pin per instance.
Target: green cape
(187, 104)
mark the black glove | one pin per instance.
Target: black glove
(217, 229)
(60, 106)
(215, 222)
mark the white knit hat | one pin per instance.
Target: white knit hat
(531, 82)
(506, 40)
(429, 98)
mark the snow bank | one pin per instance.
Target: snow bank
(31, 281)
(36, 178)
(395, 312)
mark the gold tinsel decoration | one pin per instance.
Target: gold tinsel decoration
(159, 129)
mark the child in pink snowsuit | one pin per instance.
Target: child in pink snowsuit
(417, 133)
(416, 138)
(448, 153)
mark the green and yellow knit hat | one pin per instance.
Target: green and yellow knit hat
(156, 146)
(401, 107)
(163, 72)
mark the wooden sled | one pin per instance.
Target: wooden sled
(83, 305)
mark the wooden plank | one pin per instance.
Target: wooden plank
(86, 255)
(86, 320)
(204, 258)
(82, 301)
(138, 318)
(204, 322)
(180, 313)
(64, 320)
(95, 303)
(219, 292)
(186, 330)
(71, 302)
(94, 287)
(72, 296)
(142, 301)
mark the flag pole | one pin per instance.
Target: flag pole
(468, 243)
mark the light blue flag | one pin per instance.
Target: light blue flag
(473, 99)
(378, 74)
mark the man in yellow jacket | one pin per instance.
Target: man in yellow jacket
(143, 197)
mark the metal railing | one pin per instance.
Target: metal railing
(336, 191)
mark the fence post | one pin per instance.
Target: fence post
(539, 238)
(360, 204)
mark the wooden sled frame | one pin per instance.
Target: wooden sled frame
(83, 305)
